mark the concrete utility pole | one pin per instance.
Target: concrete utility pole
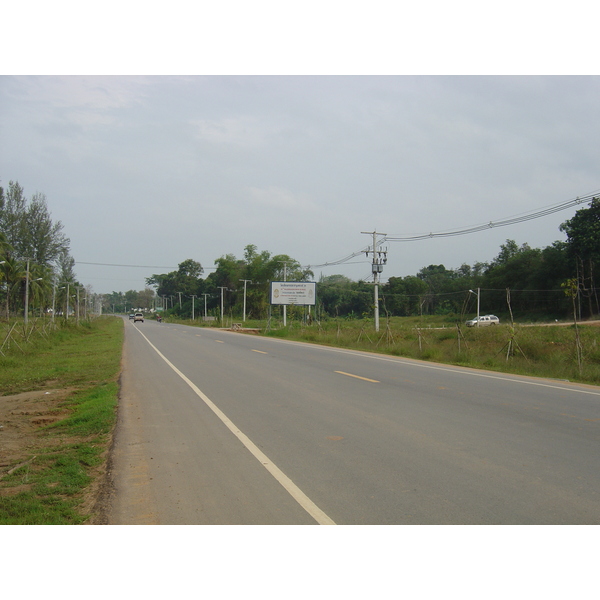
(245, 282)
(26, 314)
(54, 299)
(77, 308)
(284, 306)
(478, 298)
(379, 259)
(193, 296)
(26, 294)
(222, 290)
(68, 292)
(205, 313)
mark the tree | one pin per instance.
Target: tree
(404, 296)
(12, 215)
(340, 296)
(29, 237)
(583, 248)
(185, 281)
(437, 278)
(29, 228)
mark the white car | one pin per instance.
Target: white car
(483, 321)
(138, 317)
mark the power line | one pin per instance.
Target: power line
(474, 229)
(411, 238)
(494, 224)
(80, 262)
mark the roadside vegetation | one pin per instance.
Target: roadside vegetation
(555, 350)
(58, 410)
(552, 351)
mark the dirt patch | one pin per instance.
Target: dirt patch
(21, 418)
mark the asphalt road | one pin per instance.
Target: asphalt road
(225, 428)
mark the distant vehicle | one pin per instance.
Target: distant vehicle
(138, 317)
(131, 316)
(483, 321)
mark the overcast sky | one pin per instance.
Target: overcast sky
(153, 170)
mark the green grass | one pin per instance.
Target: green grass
(92, 411)
(69, 356)
(86, 358)
(542, 351)
(537, 350)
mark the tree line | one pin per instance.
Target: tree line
(36, 268)
(35, 262)
(537, 282)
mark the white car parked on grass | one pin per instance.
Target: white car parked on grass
(483, 321)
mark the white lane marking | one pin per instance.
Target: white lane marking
(305, 502)
(358, 377)
(450, 369)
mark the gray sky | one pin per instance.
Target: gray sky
(152, 170)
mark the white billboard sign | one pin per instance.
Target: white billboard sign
(293, 292)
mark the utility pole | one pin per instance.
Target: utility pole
(205, 315)
(245, 282)
(77, 308)
(478, 300)
(193, 296)
(179, 300)
(284, 306)
(222, 290)
(26, 293)
(67, 311)
(379, 259)
(54, 299)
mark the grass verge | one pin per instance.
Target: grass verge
(534, 350)
(52, 468)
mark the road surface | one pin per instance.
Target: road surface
(218, 427)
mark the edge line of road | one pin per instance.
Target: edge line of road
(303, 500)
(567, 386)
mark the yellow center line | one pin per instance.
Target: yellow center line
(220, 341)
(260, 351)
(358, 377)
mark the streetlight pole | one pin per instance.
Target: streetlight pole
(245, 281)
(478, 297)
